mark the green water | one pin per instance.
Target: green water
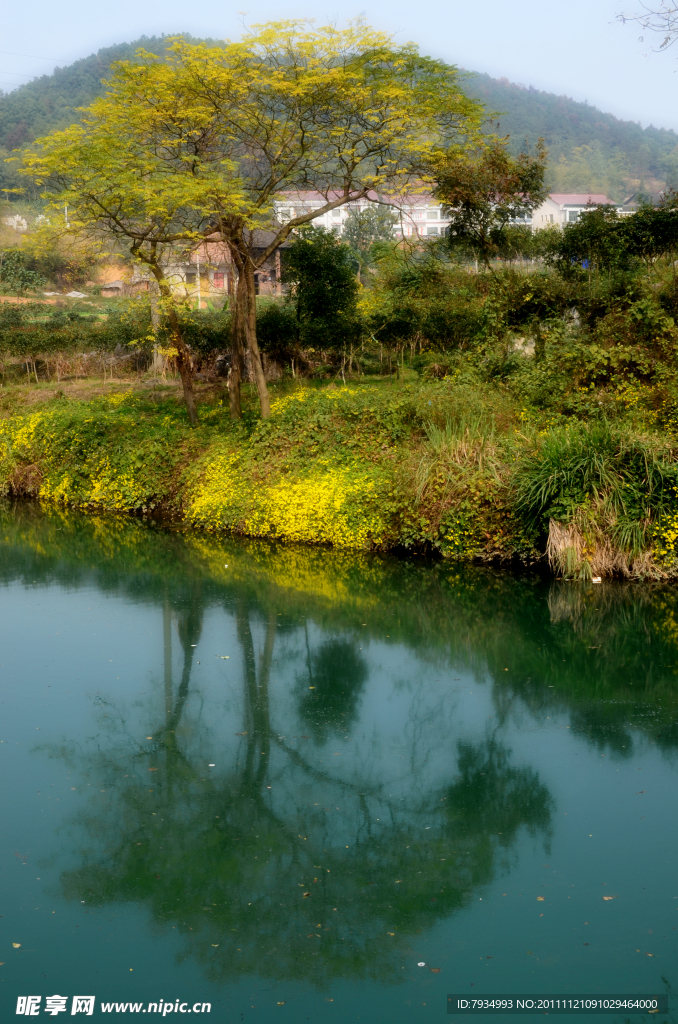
(277, 780)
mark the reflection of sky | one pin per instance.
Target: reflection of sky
(82, 670)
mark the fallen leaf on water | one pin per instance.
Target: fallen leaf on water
(306, 894)
(16, 945)
(421, 964)
(283, 1002)
(649, 954)
(390, 933)
(243, 734)
(149, 737)
(215, 945)
(610, 897)
(640, 791)
(489, 958)
(310, 935)
(435, 970)
(653, 1011)
(586, 943)
(541, 898)
(529, 952)
(152, 769)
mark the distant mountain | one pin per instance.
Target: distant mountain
(589, 151)
(51, 101)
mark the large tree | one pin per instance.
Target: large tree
(226, 131)
(342, 114)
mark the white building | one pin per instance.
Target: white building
(422, 216)
(566, 207)
(419, 215)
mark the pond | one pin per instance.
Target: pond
(293, 784)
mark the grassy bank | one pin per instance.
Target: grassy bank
(457, 465)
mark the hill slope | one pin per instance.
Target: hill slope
(589, 150)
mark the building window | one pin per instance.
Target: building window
(283, 213)
(572, 216)
(431, 215)
(190, 277)
(431, 230)
(336, 213)
(218, 280)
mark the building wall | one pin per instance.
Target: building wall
(421, 216)
(552, 212)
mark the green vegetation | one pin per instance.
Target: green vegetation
(524, 411)
(514, 413)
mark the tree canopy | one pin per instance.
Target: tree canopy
(205, 141)
(487, 189)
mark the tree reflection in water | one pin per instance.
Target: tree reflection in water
(399, 831)
(252, 862)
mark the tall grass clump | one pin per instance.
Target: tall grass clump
(598, 490)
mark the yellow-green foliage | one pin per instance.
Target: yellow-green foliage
(116, 455)
(329, 467)
(92, 454)
(325, 504)
(665, 539)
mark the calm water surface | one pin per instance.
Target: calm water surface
(279, 780)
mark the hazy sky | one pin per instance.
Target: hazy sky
(576, 48)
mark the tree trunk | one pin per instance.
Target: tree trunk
(184, 364)
(185, 368)
(264, 398)
(237, 348)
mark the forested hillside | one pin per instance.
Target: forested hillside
(51, 101)
(589, 150)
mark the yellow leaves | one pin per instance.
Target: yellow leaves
(173, 142)
(327, 505)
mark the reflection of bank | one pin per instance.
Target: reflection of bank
(252, 870)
